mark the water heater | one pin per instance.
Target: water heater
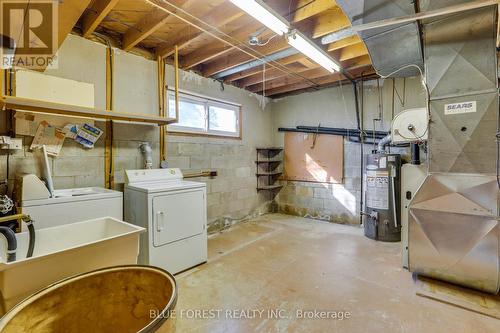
(382, 197)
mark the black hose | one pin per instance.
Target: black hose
(415, 154)
(10, 235)
(31, 246)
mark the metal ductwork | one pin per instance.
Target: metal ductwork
(461, 74)
(255, 63)
(453, 221)
(391, 47)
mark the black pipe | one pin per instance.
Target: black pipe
(362, 151)
(356, 104)
(340, 132)
(31, 246)
(415, 154)
(345, 131)
(10, 235)
(377, 133)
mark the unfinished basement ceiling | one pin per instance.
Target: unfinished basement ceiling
(204, 30)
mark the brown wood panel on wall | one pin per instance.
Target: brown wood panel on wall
(314, 157)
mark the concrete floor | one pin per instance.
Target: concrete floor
(288, 264)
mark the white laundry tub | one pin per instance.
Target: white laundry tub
(64, 251)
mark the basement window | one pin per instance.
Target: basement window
(202, 115)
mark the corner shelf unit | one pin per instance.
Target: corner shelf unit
(268, 163)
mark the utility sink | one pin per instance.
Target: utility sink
(63, 251)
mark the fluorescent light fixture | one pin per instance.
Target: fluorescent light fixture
(264, 14)
(312, 51)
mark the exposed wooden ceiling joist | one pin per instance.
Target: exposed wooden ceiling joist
(95, 15)
(344, 43)
(216, 50)
(352, 64)
(353, 51)
(307, 8)
(218, 17)
(151, 22)
(237, 58)
(324, 79)
(287, 80)
(213, 37)
(330, 21)
(269, 75)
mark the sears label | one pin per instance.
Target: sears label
(457, 108)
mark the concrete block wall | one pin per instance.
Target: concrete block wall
(339, 203)
(334, 107)
(232, 195)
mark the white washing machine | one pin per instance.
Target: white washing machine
(174, 213)
(74, 205)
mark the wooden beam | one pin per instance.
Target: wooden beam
(310, 74)
(218, 17)
(319, 82)
(249, 54)
(226, 14)
(109, 169)
(176, 77)
(308, 8)
(217, 49)
(498, 27)
(161, 104)
(343, 43)
(289, 79)
(353, 51)
(146, 26)
(270, 74)
(330, 21)
(352, 64)
(150, 23)
(308, 63)
(95, 15)
(69, 12)
(355, 63)
(297, 85)
(237, 58)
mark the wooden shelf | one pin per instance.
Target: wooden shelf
(270, 149)
(269, 188)
(269, 152)
(267, 166)
(268, 174)
(32, 105)
(267, 162)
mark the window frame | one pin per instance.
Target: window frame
(207, 102)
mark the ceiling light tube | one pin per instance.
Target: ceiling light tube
(264, 14)
(312, 51)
